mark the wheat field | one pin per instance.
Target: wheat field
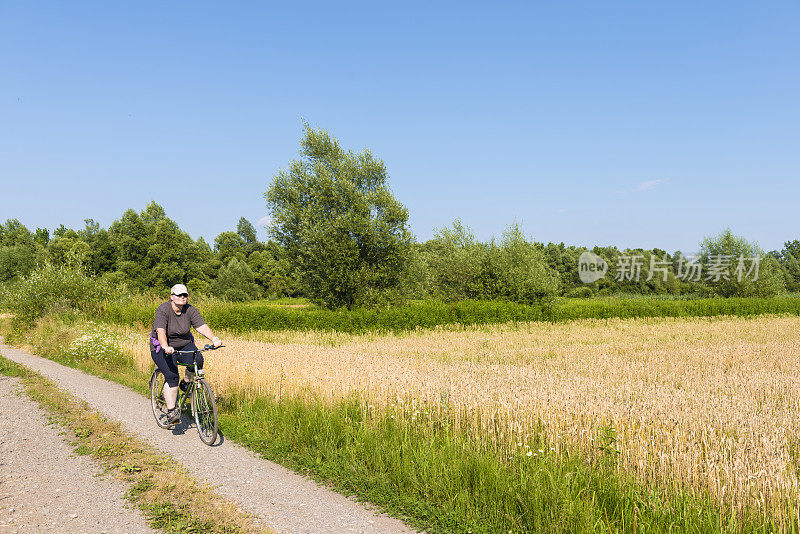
(704, 404)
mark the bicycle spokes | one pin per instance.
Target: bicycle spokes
(205, 412)
(157, 400)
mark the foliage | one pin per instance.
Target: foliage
(738, 252)
(455, 261)
(515, 270)
(520, 271)
(263, 315)
(152, 251)
(149, 251)
(229, 245)
(789, 258)
(49, 287)
(340, 225)
(236, 282)
(247, 232)
(579, 292)
(418, 281)
(145, 250)
(273, 271)
(18, 250)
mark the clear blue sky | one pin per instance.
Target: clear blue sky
(626, 123)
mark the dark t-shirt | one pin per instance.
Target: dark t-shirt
(176, 326)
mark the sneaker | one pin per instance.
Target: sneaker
(173, 416)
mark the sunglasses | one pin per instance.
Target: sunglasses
(182, 295)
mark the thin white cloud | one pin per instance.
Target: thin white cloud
(648, 185)
(265, 221)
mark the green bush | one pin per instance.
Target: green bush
(462, 268)
(579, 293)
(455, 262)
(727, 247)
(520, 270)
(263, 315)
(48, 287)
(236, 282)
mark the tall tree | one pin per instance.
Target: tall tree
(152, 251)
(334, 214)
(247, 232)
(790, 263)
(230, 245)
(18, 250)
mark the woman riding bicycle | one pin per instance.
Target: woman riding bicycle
(171, 333)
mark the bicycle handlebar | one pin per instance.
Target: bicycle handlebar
(207, 347)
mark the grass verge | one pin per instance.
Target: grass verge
(170, 499)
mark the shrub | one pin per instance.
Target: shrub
(430, 314)
(456, 260)
(236, 282)
(523, 274)
(727, 247)
(48, 287)
(462, 268)
(579, 293)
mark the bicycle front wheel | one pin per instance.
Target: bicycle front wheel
(157, 399)
(205, 411)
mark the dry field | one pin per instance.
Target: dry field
(708, 404)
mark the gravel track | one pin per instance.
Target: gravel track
(46, 488)
(280, 498)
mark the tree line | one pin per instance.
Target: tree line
(339, 237)
(148, 251)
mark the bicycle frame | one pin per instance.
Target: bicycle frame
(198, 393)
(184, 396)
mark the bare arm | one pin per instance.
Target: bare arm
(162, 338)
(206, 331)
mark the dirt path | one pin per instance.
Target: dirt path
(283, 500)
(46, 488)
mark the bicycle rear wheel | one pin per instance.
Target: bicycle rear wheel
(157, 398)
(205, 412)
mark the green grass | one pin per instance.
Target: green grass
(442, 479)
(265, 315)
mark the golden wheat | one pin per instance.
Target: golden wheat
(705, 404)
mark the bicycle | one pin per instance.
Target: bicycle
(204, 408)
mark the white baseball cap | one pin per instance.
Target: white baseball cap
(179, 289)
